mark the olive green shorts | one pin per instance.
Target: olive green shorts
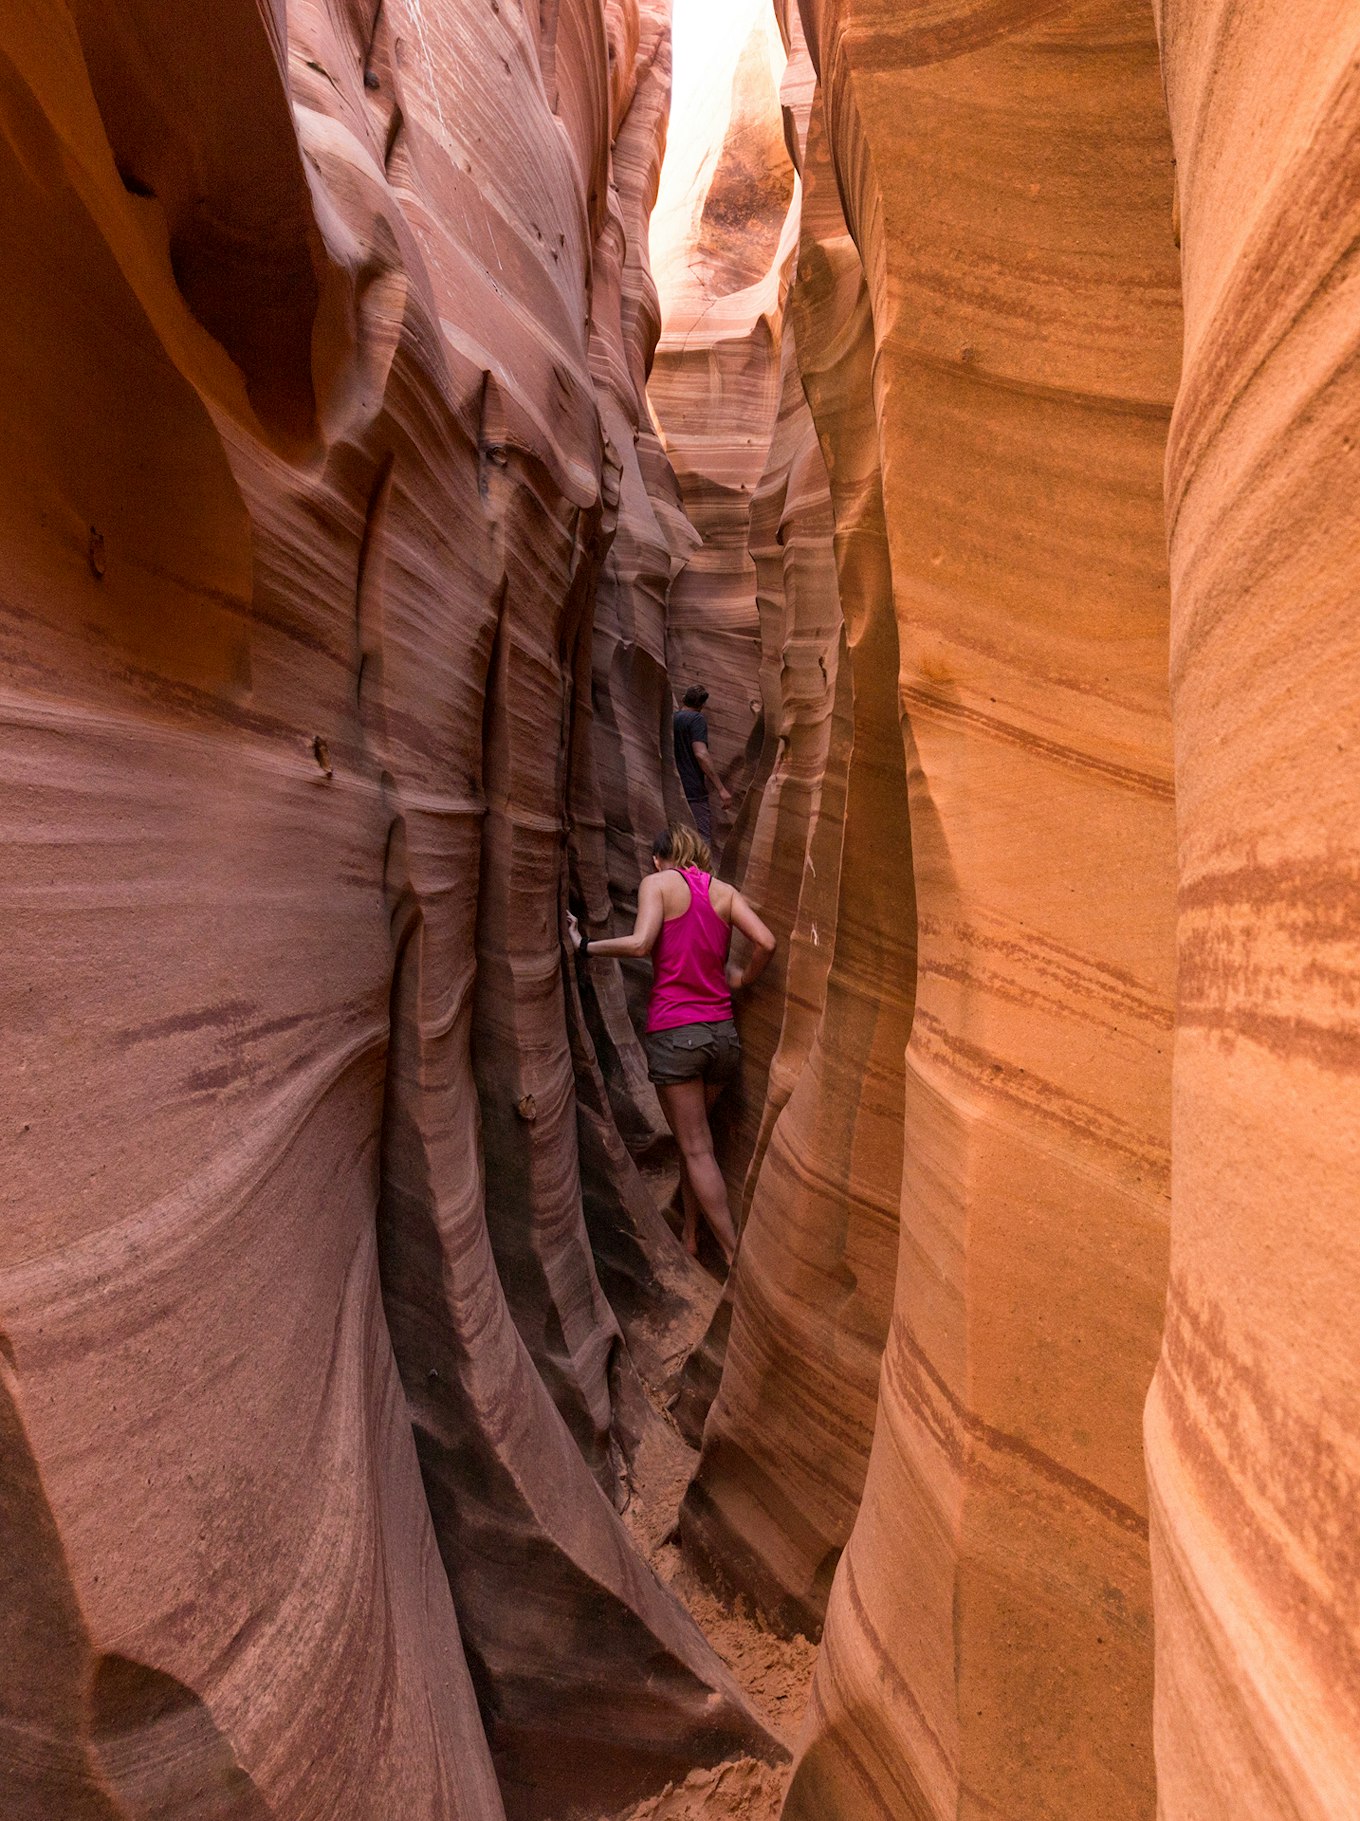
(710, 1053)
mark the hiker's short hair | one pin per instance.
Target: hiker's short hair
(695, 696)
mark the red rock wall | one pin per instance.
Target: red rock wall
(787, 1443)
(1253, 1425)
(653, 540)
(308, 484)
(988, 1640)
(716, 384)
(989, 1644)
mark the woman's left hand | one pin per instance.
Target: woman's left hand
(573, 931)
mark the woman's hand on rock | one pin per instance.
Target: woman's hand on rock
(573, 931)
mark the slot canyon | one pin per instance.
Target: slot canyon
(405, 402)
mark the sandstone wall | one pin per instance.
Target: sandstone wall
(721, 240)
(344, 583)
(989, 1642)
(1253, 1425)
(787, 1442)
(1008, 184)
(308, 480)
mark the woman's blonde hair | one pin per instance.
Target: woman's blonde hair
(683, 846)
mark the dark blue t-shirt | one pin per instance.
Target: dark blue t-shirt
(690, 726)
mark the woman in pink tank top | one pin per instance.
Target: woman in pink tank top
(685, 922)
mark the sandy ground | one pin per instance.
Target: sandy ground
(774, 1672)
(744, 1790)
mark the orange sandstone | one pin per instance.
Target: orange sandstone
(1253, 1424)
(988, 1641)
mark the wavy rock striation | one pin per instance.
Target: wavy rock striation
(988, 1639)
(312, 476)
(787, 1442)
(1253, 1425)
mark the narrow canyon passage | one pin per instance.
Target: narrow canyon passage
(406, 402)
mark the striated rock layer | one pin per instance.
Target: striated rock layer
(989, 1641)
(308, 485)
(988, 1638)
(787, 1443)
(1253, 1424)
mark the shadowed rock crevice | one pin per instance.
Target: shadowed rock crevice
(161, 1751)
(46, 1660)
(229, 183)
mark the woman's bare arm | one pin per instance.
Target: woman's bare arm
(651, 912)
(762, 943)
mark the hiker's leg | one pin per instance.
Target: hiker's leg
(685, 1106)
(690, 1236)
(687, 1195)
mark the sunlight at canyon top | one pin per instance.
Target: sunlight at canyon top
(728, 62)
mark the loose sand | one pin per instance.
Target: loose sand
(773, 1671)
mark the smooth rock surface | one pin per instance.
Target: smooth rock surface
(1253, 1425)
(345, 586)
(988, 1642)
(224, 1497)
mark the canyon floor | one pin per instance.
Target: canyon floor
(774, 1672)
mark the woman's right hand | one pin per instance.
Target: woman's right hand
(573, 932)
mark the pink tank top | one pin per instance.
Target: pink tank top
(689, 963)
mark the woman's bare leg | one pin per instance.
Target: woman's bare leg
(685, 1105)
(690, 1236)
(689, 1199)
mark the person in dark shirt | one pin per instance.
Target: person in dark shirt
(696, 768)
